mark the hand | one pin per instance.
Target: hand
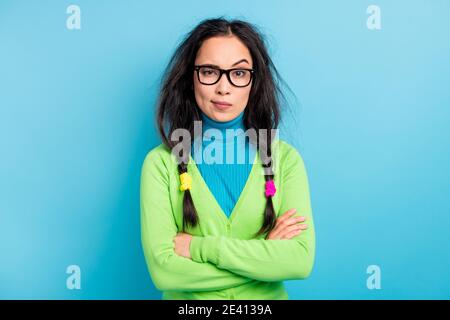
(182, 244)
(286, 226)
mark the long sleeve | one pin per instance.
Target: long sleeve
(158, 229)
(268, 260)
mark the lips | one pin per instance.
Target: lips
(221, 103)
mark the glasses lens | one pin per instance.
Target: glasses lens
(208, 75)
(240, 77)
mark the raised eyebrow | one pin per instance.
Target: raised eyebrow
(242, 60)
(216, 66)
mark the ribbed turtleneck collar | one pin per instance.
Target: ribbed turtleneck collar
(222, 126)
(236, 123)
(230, 142)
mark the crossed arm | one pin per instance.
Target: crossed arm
(219, 262)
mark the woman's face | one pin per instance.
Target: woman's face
(225, 52)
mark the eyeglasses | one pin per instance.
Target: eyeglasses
(238, 77)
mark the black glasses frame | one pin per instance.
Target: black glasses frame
(222, 71)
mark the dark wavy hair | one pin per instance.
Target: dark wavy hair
(177, 108)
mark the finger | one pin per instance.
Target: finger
(292, 234)
(281, 224)
(282, 230)
(273, 234)
(286, 223)
(289, 234)
(286, 215)
(292, 221)
(290, 229)
(278, 227)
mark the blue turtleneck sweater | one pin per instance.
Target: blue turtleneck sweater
(224, 162)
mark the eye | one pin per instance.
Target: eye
(240, 73)
(208, 71)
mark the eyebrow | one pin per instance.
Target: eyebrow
(214, 65)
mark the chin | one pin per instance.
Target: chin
(223, 117)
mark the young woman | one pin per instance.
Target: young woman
(214, 228)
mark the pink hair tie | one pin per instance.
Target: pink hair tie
(270, 188)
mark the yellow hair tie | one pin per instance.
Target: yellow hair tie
(186, 181)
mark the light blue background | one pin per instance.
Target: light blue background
(372, 124)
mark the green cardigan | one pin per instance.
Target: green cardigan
(227, 261)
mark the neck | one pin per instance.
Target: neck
(236, 123)
(218, 133)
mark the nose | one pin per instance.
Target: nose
(223, 86)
